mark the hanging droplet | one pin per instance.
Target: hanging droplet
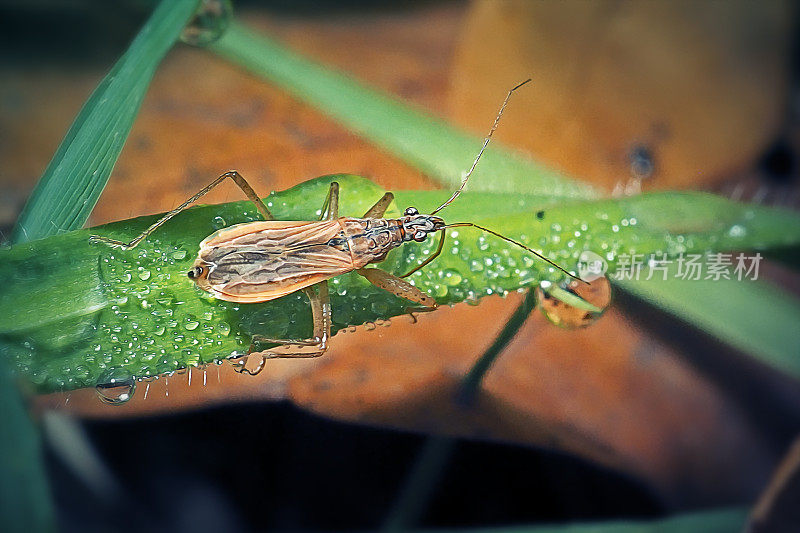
(574, 304)
(252, 363)
(116, 387)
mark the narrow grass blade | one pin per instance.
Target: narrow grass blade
(437, 449)
(428, 143)
(763, 322)
(78, 172)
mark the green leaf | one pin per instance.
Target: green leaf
(760, 325)
(78, 172)
(24, 494)
(84, 312)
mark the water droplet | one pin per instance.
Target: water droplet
(179, 255)
(251, 364)
(116, 387)
(565, 314)
(224, 328)
(144, 274)
(451, 277)
(190, 323)
(218, 222)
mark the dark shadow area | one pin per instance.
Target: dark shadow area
(275, 467)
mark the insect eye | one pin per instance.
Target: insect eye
(410, 212)
(196, 272)
(420, 236)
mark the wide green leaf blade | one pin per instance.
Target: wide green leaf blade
(106, 313)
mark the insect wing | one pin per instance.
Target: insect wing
(260, 261)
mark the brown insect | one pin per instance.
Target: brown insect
(260, 261)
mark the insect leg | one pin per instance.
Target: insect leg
(315, 346)
(250, 193)
(235, 176)
(398, 287)
(380, 207)
(433, 256)
(330, 209)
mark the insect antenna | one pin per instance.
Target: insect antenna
(483, 148)
(512, 241)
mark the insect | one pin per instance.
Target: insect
(260, 261)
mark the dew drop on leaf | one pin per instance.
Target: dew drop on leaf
(451, 277)
(218, 222)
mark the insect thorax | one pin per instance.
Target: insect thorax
(371, 239)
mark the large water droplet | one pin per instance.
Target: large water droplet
(115, 387)
(190, 323)
(451, 277)
(575, 304)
